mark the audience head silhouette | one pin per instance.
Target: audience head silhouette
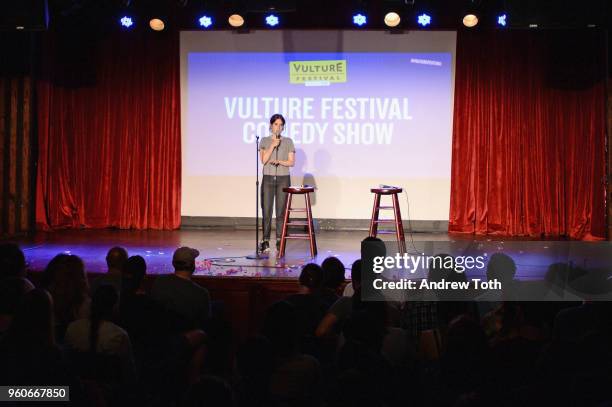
(116, 258)
(333, 273)
(184, 259)
(12, 261)
(32, 325)
(311, 276)
(134, 271)
(501, 267)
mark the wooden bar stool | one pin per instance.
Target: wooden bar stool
(303, 190)
(397, 216)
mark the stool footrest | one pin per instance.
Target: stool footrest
(392, 220)
(301, 223)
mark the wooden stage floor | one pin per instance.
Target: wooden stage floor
(222, 252)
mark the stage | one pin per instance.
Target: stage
(223, 252)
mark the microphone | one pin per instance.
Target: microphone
(277, 137)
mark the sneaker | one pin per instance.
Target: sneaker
(264, 247)
(278, 245)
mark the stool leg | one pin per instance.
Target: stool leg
(399, 228)
(311, 234)
(375, 210)
(281, 251)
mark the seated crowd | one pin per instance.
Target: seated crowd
(117, 342)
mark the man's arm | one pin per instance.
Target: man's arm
(326, 325)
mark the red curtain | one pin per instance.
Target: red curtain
(109, 131)
(529, 138)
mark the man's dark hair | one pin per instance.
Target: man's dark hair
(133, 272)
(12, 261)
(501, 267)
(116, 257)
(333, 273)
(102, 304)
(311, 276)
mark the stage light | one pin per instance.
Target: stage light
(470, 20)
(272, 20)
(424, 19)
(502, 20)
(471, 10)
(205, 21)
(156, 24)
(236, 20)
(359, 20)
(392, 19)
(126, 21)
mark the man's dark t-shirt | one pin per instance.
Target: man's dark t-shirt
(185, 299)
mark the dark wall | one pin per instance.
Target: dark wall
(17, 134)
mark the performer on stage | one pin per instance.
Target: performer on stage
(277, 155)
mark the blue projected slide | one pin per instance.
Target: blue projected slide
(349, 114)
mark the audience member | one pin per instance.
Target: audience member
(502, 268)
(70, 291)
(28, 354)
(310, 305)
(13, 264)
(333, 276)
(209, 391)
(99, 335)
(12, 291)
(343, 307)
(139, 314)
(295, 378)
(188, 301)
(12, 261)
(115, 259)
(254, 367)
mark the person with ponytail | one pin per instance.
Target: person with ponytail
(99, 335)
(28, 352)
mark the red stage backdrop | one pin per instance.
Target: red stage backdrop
(528, 143)
(109, 131)
(529, 135)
